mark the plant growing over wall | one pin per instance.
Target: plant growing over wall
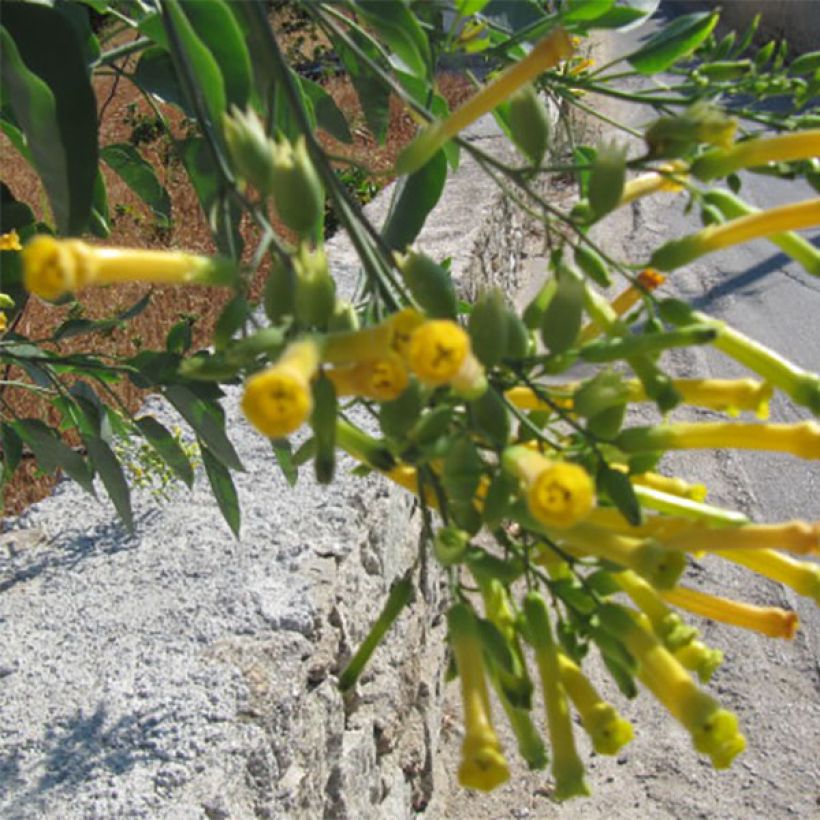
(479, 413)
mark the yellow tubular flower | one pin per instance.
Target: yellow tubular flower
(483, 765)
(648, 280)
(801, 439)
(567, 768)
(769, 620)
(352, 346)
(10, 241)
(525, 398)
(666, 624)
(278, 400)
(437, 350)
(655, 181)
(754, 152)
(4, 322)
(700, 658)
(660, 566)
(559, 494)
(791, 217)
(608, 731)
(714, 730)
(801, 576)
(544, 55)
(671, 485)
(53, 267)
(653, 526)
(799, 537)
(402, 325)
(727, 395)
(382, 379)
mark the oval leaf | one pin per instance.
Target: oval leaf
(113, 480)
(167, 447)
(124, 159)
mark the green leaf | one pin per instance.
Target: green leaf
(418, 194)
(98, 222)
(112, 477)
(622, 18)
(179, 338)
(219, 31)
(585, 11)
(223, 489)
(124, 159)
(621, 493)
(233, 316)
(52, 454)
(400, 29)
(196, 67)
(561, 321)
(283, 452)
(167, 447)
(155, 75)
(223, 215)
(207, 420)
(466, 8)
(681, 37)
(373, 96)
(11, 451)
(325, 111)
(45, 76)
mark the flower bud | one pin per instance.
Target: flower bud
(529, 123)
(429, 283)
(315, 294)
(296, 187)
(250, 149)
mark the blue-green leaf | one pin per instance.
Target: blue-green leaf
(217, 28)
(208, 422)
(418, 195)
(124, 159)
(167, 447)
(45, 76)
(400, 29)
(155, 74)
(52, 454)
(681, 37)
(223, 489)
(326, 113)
(113, 479)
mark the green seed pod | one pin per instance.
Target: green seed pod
(398, 416)
(535, 309)
(710, 215)
(529, 124)
(488, 328)
(297, 190)
(250, 149)
(519, 343)
(561, 321)
(593, 265)
(606, 179)
(726, 70)
(450, 545)
(490, 416)
(323, 422)
(280, 291)
(462, 470)
(429, 283)
(315, 296)
(499, 499)
(344, 318)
